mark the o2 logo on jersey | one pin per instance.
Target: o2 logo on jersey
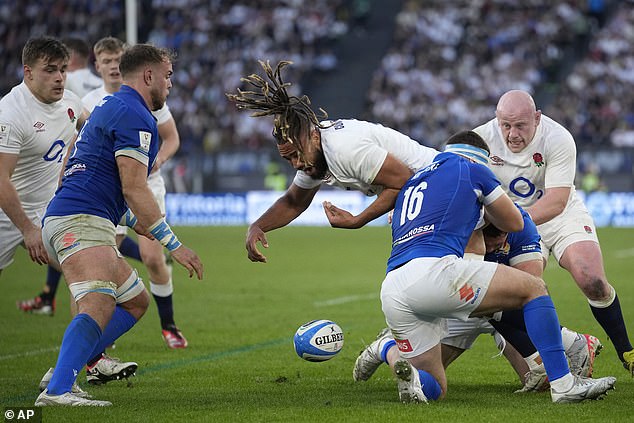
(55, 152)
(524, 188)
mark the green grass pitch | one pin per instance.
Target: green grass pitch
(240, 320)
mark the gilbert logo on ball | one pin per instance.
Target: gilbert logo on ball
(318, 340)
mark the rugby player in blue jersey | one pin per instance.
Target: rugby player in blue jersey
(428, 280)
(105, 181)
(522, 251)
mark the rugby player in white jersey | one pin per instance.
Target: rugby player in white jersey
(345, 153)
(534, 158)
(80, 79)
(38, 120)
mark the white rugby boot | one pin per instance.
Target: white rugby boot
(582, 353)
(109, 368)
(75, 389)
(409, 387)
(584, 388)
(370, 358)
(67, 399)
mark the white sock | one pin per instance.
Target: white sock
(162, 290)
(562, 384)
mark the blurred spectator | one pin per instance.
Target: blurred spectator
(591, 179)
(593, 102)
(80, 78)
(275, 179)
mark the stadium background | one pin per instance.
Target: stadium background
(427, 68)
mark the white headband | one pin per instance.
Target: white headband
(470, 152)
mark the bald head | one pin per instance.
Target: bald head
(518, 119)
(516, 102)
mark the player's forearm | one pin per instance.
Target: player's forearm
(12, 207)
(384, 203)
(288, 207)
(280, 214)
(546, 208)
(167, 150)
(143, 204)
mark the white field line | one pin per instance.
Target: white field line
(624, 253)
(346, 299)
(28, 353)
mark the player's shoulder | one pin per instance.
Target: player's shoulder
(15, 105)
(552, 128)
(71, 98)
(487, 130)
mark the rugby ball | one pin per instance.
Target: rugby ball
(318, 340)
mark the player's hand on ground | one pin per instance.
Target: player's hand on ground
(255, 235)
(339, 218)
(189, 260)
(34, 244)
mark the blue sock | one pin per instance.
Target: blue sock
(389, 344)
(431, 387)
(120, 322)
(130, 248)
(543, 328)
(52, 282)
(80, 338)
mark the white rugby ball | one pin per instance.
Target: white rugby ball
(318, 340)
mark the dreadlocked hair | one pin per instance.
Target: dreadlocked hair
(294, 118)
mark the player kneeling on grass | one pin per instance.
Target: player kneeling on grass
(428, 281)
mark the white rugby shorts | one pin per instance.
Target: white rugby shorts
(11, 236)
(419, 296)
(573, 225)
(65, 235)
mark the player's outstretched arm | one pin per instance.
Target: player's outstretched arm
(290, 205)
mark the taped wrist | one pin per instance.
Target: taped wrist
(163, 233)
(128, 219)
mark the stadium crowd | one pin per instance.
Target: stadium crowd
(448, 63)
(591, 102)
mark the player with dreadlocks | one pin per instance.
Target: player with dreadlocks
(346, 153)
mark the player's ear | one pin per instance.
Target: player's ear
(28, 73)
(147, 76)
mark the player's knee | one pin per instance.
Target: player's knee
(133, 296)
(536, 288)
(596, 288)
